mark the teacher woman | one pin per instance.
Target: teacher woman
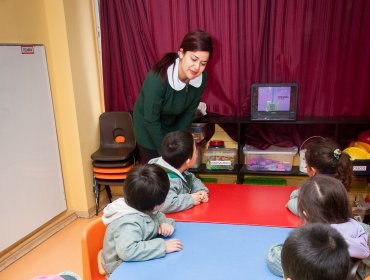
(171, 93)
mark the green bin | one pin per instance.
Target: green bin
(209, 180)
(264, 181)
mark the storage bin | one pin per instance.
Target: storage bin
(220, 158)
(272, 159)
(199, 156)
(198, 131)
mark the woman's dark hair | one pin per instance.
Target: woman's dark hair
(198, 40)
(146, 186)
(324, 199)
(326, 157)
(177, 147)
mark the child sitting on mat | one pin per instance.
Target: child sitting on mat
(178, 155)
(134, 224)
(323, 199)
(315, 251)
(323, 156)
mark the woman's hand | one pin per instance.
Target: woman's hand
(173, 245)
(165, 229)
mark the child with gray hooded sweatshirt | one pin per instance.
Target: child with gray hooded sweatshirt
(134, 225)
(179, 153)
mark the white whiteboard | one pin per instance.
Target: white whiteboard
(31, 183)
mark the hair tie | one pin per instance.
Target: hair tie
(337, 153)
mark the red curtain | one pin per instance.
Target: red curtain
(324, 46)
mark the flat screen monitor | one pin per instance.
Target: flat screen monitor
(274, 101)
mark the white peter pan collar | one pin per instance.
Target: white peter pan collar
(175, 82)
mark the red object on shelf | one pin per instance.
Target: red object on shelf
(216, 144)
(364, 137)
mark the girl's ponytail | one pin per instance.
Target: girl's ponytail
(326, 157)
(344, 170)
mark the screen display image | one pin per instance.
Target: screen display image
(273, 99)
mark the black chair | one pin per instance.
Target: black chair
(117, 140)
(116, 154)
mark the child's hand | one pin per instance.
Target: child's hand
(204, 196)
(197, 197)
(165, 229)
(173, 245)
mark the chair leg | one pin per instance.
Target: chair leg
(97, 197)
(98, 200)
(96, 189)
(109, 193)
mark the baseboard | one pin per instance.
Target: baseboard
(92, 210)
(31, 241)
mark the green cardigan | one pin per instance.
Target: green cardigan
(159, 109)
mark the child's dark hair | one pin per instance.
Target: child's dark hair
(315, 251)
(146, 186)
(198, 40)
(326, 157)
(323, 199)
(177, 147)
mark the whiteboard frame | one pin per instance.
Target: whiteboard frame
(31, 180)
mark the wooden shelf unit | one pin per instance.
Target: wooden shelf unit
(242, 123)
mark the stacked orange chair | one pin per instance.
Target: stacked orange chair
(116, 154)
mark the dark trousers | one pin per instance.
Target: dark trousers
(147, 154)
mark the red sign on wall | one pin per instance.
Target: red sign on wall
(27, 49)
